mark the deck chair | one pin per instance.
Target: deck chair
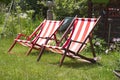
(117, 73)
(80, 35)
(46, 29)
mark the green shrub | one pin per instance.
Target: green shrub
(98, 44)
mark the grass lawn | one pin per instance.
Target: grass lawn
(20, 67)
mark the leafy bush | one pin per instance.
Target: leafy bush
(18, 22)
(67, 8)
(38, 6)
(98, 44)
(5, 1)
(21, 16)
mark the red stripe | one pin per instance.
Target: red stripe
(71, 35)
(83, 35)
(53, 27)
(37, 29)
(46, 29)
(40, 31)
(45, 23)
(86, 31)
(80, 28)
(78, 32)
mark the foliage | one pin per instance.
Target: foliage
(5, 1)
(99, 45)
(18, 23)
(14, 20)
(1, 18)
(100, 1)
(37, 5)
(70, 8)
(114, 45)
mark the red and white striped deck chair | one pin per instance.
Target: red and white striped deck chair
(80, 35)
(42, 33)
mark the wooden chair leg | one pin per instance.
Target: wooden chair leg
(12, 46)
(61, 61)
(91, 44)
(40, 54)
(86, 58)
(29, 51)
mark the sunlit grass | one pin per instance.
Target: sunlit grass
(17, 66)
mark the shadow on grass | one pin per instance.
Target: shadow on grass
(36, 53)
(67, 63)
(78, 64)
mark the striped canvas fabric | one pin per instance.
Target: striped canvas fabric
(46, 29)
(81, 29)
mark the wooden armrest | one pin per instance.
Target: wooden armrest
(22, 35)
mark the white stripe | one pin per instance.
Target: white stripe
(47, 34)
(44, 28)
(80, 35)
(49, 29)
(77, 45)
